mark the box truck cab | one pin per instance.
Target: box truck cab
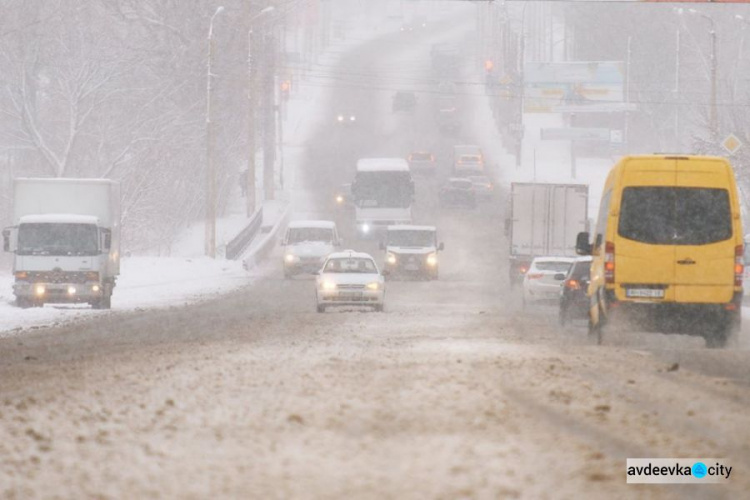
(65, 241)
(668, 245)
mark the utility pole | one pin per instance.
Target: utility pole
(678, 140)
(625, 134)
(251, 106)
(269, 116)
(252, 103)
(210, 237)
(714, 115)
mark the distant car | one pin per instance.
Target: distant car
(407, 27)
(457, 192)
(419, 21)
(448, 122)
(346, 118)
(447, 88)
(574, 304)
(542, 281)
(411, 251)
(482, 186)
(468, 160)
(349, 278)
(307, 244)
(404, 101)
(421, 161)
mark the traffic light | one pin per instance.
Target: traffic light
(286, 86)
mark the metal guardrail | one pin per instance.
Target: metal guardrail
(241, 242)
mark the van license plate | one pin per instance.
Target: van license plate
(645, 293)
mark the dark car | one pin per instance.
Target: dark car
(404, 101)
(574, 304)
(458, 192)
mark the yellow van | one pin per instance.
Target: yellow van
(667, 247)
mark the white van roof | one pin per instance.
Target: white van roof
(382, 165)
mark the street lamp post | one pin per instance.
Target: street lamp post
(210, 243)
(252, 105)
(713, 117)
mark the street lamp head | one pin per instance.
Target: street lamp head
(268, 9)
(219, 9)
(737, 16)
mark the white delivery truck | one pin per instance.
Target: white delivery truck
(383, 192)
(544, 221)
(66, 241)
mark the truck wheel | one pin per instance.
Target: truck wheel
(23, 303)
(379, 308)
(321, 308)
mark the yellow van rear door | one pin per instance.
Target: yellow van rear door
(640, 258)
(704, 253)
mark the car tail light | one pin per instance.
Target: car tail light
(432, 157)
(534, 276)
(523, 269)
(572, 285)
(739, 264)
(609, 262)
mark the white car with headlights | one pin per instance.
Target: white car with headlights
(307, 244)
(412, 251)
(349, 278)
(543, 281)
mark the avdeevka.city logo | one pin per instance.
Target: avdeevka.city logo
(678, 470)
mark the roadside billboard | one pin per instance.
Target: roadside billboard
(551, 86)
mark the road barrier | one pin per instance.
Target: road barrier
(242, 241)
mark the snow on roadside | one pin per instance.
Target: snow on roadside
(145, 282)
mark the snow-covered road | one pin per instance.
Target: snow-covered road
(453, 392)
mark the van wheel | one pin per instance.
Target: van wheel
(723, 332)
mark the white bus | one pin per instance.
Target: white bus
(383, 192)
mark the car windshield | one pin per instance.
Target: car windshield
(350, 265)
(411, 238)
(57, 239)
(675, 215)
(553, 266)
(300, 234)
(470, 158)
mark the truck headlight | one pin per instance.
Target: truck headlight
(328, 285)
(373, 286)
(71, 290)
(40, 290)
(391, 258)
(95, 288)
(290, 258)
(432, 259)
(365, 228)
(340, 200)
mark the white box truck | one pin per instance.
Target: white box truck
(383, 193)
(66, 241)
(544, 220)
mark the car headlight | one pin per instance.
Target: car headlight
(432, 259)
(289, 258)
(339, 199)
(373, 286)
(352, 118)
(71, 290)
(365, 228)
(340, 118)
(328, 285)
(391, 258)
(40, 290)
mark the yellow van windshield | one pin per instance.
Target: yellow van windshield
(675, 215)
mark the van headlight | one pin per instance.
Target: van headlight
(391, 258)
(373, 286)
(432, 260)
(290, 258)
(328, 285)
(40, 290)
(365, 228)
